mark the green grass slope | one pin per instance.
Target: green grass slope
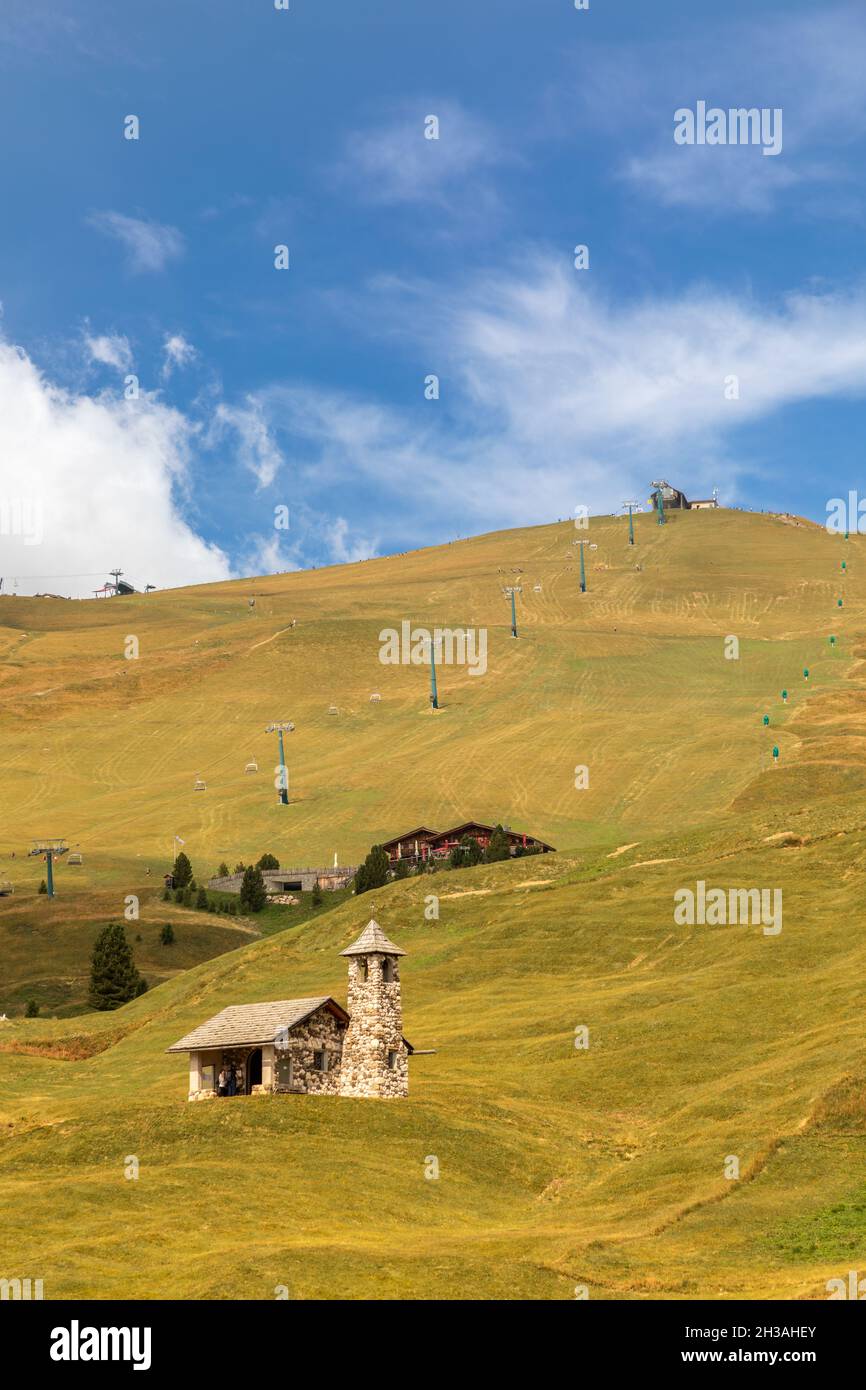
(558, 1166)
(106, 750)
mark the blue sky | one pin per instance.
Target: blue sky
(305, 388)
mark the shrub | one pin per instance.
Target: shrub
(166, 935)
(43, 886)
(201, 901)
(31, 1009)
(268, 861)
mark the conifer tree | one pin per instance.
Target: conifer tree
(114, 979)
(253, 895)
(499, 847)
(467, 853)
(182, 871)
(376, 870)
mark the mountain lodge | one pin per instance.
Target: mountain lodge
(428, 844)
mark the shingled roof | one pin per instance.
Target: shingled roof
(372, 938)
(241, 1024)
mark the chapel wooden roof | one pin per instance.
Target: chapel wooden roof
(372, 939)
(242, 1024)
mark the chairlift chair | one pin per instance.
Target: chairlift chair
(200, 786)
(251, 767)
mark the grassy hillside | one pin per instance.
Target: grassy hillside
(106, 750)
(557, 1166)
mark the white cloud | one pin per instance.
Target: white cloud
(553, 396)
(808, 64)
(104, 473)
(150, 246)
(110, 349)
(177, 352)
(258, 450)
(268, 555)
(343, 548)
(396, 163)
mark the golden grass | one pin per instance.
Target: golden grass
(557, 1166)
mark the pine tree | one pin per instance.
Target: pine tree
(316, 898)
(268, 861)
(499, 847)
(467, 853)
(402, 869)
(201, 899)
(166, 936)
(240, 868)
(166, 897)
(376, 868)
(31, 1009)
(182, 871)
(253, 895)
(474, 852)
(223, 870)
(114, 979)
(43, 886)
(360, 880)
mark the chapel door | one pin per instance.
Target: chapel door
(254, 1069)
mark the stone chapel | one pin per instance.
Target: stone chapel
(311, 1046)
